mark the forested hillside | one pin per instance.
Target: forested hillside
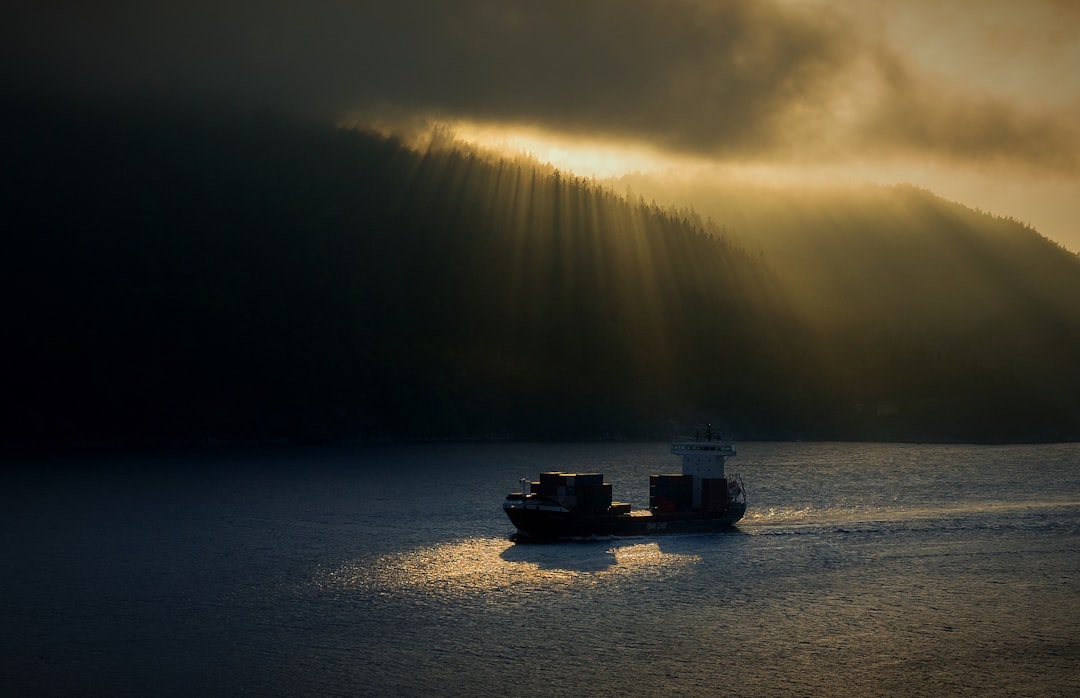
(182, 277)
(946, 319)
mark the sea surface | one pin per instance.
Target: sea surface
(860, 570)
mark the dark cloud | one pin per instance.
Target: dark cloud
(717, 76)
(741, 78)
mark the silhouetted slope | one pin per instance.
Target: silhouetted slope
(193, 276)
(950, 322)
(185, 276)
(963, 323)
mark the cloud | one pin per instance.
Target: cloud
(691, 75)
(927, 118)
(741, 79)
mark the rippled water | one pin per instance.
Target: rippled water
(860, 569)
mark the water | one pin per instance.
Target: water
(860, 569)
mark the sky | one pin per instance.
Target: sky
(976, 100)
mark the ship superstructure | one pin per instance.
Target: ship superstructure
(701, 498)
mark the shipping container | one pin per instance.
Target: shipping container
(578, 491)
(664, 504)
(714, 493)
(671, 492)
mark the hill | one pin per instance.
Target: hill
(178, 276)
(952, 322)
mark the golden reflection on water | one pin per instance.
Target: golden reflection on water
(483, 565)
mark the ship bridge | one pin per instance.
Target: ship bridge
(702, 457)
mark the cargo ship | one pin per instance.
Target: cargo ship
(700, 499)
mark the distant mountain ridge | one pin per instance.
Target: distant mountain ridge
(188, 277)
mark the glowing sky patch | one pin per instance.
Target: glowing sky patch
(583, 157)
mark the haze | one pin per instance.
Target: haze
(976, 101)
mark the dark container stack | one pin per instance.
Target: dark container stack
(671, 492)
(582, 492)
(714, 493)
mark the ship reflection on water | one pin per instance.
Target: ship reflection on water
(492, 565)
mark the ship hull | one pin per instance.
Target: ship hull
(533, 524)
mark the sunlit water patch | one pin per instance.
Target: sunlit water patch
(478, 566)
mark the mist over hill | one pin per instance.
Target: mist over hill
(921, 309)
(188, 276)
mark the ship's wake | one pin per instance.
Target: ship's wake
(986, 514)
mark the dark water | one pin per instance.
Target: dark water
(860, 570)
